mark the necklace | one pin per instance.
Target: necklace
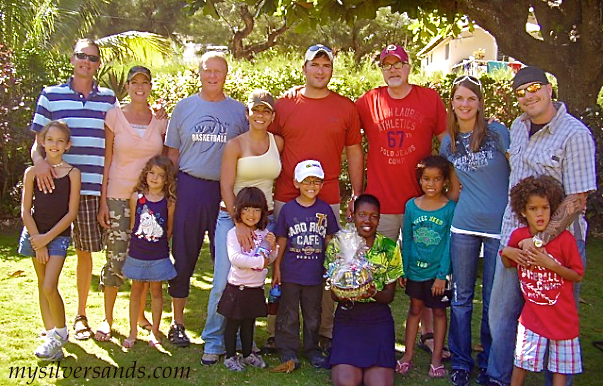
(58, 165)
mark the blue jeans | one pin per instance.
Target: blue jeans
(464, 253)
(507, 302)
(213, 333)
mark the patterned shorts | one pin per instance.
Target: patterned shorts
(118, 237)
(87, 232)
(530, 349)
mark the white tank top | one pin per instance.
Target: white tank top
(259, 171)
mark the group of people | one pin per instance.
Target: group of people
(266, 175)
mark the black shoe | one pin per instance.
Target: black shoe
(320, 362)
(325, 345)
(269, 347)
(459, 377)
(482, 377)
(177, 335)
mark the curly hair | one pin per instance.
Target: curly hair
(164, 163)
(251, 197)
(543, 186)
(433, 161)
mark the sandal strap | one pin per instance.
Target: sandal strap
(427, 336)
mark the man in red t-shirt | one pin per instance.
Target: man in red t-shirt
(317, 123)
(399, 121)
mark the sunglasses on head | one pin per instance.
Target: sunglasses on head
(470, 78)
(319, 47)
(82, 56)
(397, 66)
(533, 88)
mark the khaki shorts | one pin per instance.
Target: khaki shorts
(390, 225)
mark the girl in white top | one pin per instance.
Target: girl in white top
(243, 298)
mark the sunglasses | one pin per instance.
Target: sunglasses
(320, 47)
(470, 78)
(397, 66)
(82, 56)
(533, 88)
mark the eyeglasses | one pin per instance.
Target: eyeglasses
(311, 182)
(533, 88)
(397, 66)
(470, 78)
(82, 56)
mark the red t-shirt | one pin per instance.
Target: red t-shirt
(399, 133)
(550, 308)
(314, 129)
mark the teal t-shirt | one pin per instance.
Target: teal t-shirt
(426, 242)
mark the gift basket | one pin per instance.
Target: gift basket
(350, 276)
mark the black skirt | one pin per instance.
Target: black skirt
(242, 302)
(363, 336)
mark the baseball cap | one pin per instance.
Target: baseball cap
(139, 70)
(308, 168)
(529, 74)
(260, 97)
(394, 50)
(315, 49)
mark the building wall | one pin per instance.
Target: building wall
(460, 48)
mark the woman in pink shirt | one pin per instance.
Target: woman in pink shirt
(133, 135)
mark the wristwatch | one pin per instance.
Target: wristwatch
(537, 242)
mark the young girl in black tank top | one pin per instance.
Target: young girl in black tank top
(47, 218)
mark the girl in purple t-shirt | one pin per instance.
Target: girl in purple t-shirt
(152, 207)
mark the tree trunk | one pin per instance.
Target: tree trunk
(239, 50)
(571, 47)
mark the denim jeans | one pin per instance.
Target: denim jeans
(213, 333)
(464, 251)
(507, 302)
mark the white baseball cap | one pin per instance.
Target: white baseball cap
(308, 168)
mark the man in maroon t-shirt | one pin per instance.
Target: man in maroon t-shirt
(399, 121)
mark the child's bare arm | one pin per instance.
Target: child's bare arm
(536, 257)
(509, 254)
(26, 202)
(276, 275)
(133, 200)
(170, 222)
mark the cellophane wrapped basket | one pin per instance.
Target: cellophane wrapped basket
(350, 276)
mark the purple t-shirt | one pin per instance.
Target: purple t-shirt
(149, 237)
(305, 229)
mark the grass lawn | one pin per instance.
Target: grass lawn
(20, 324)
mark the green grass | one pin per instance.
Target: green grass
(20, 323)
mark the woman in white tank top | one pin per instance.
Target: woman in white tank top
(250, 160)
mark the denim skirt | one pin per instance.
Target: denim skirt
(57, 247)
(149, 270)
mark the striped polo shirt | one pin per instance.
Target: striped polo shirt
(85, 116)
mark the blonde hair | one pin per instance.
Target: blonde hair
(164, 163)
(61, 125)
(212, 55)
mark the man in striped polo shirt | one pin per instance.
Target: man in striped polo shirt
(82, 105)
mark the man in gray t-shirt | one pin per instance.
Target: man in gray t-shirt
(198, 131)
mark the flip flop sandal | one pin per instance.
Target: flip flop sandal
(147, 327)
(426, 348)
(128, 343)
(103, 334)
(437, 372)
(154, 343)
(402, 367)
(83, 332)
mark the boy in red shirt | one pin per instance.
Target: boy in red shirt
(549, 318)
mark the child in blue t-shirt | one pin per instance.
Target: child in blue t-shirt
(426, 256)
(303, 229)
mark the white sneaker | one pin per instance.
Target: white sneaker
(52, 348)
(234, 364)
(254, 360)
